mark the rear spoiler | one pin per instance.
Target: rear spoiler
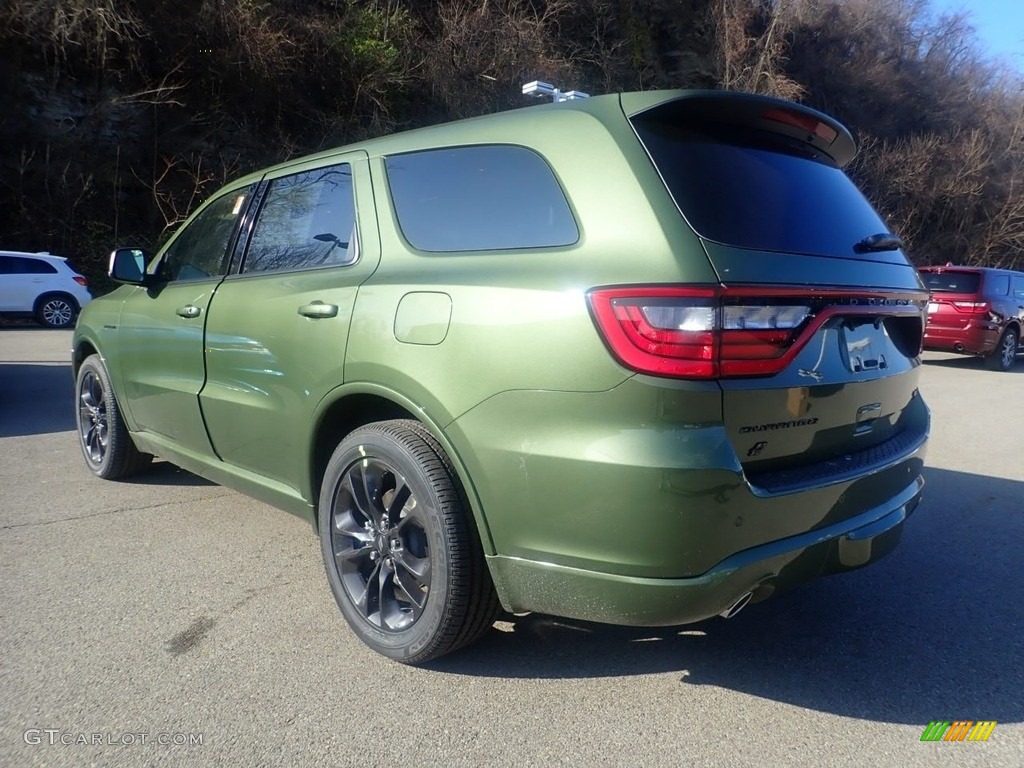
(745, 109)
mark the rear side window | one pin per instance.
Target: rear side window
(17, 265)
(1018, 287)
(758, 190)
(997, 285)
(306, 220)
(479, 199)
(951, 281)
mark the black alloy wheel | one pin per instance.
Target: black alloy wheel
(108, 448)
(400, 547)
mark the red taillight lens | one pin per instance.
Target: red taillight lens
(971, 307)
(708, 332)
(669, 332)
(696, 332)
(804, 122)
(81, 281)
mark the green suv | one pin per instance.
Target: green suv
(639, 359)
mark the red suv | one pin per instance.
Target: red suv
(975, 311)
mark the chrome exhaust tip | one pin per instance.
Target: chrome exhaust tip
(736, 607)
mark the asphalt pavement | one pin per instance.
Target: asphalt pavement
(171, 621)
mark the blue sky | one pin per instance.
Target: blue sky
(999, 23)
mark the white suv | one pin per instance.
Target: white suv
(41, 286)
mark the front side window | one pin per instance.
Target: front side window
(479, 199)
(198, 251)
(307, 220)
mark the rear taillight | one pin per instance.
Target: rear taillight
(81, 281)
(971, 307)
(708, 332)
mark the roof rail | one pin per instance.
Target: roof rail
(540, 89)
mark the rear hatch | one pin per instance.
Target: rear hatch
(956, 300)
(815, 329)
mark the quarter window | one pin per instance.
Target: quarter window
(307, 220)
(479, 199)
(197, 253)
(1018, 287)
(998, 285)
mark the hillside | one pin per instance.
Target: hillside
(126, 114)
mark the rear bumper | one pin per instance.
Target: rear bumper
(631, 506)
(973, 340)
(762, 571)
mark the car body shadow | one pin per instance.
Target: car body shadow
(933, 631)
(165, 473)
(27, 394)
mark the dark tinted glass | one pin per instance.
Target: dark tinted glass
(1018, 287)
(197, 252)
(756, 190)
(949, 281)
(307, 220)
(479, 199)
(36, 267)
(997, 285)
(17, 265)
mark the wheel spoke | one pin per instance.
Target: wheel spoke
(363, 481)
(367, 599)
(401, 497)
(394, 615)
(346, 525)
(412, 586)
(417, 567)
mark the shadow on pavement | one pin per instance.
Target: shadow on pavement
(165, 473)
(971, 363)
(934, 631)
(28, 392)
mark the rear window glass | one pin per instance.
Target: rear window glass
(479, 199)
(754, 189)
(951, 282)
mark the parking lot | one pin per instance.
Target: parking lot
(170, 621)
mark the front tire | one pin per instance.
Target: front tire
(56, 310)
(401, 552)
(106, 445)
(1005, 353)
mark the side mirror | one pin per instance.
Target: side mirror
(128, 265)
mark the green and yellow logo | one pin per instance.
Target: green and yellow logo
(959, 730)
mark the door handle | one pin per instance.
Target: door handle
(318, 309)
(188, 311)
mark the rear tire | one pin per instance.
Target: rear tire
(1005, 353)
(56, 310)
(401, 551)
(106, 445)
